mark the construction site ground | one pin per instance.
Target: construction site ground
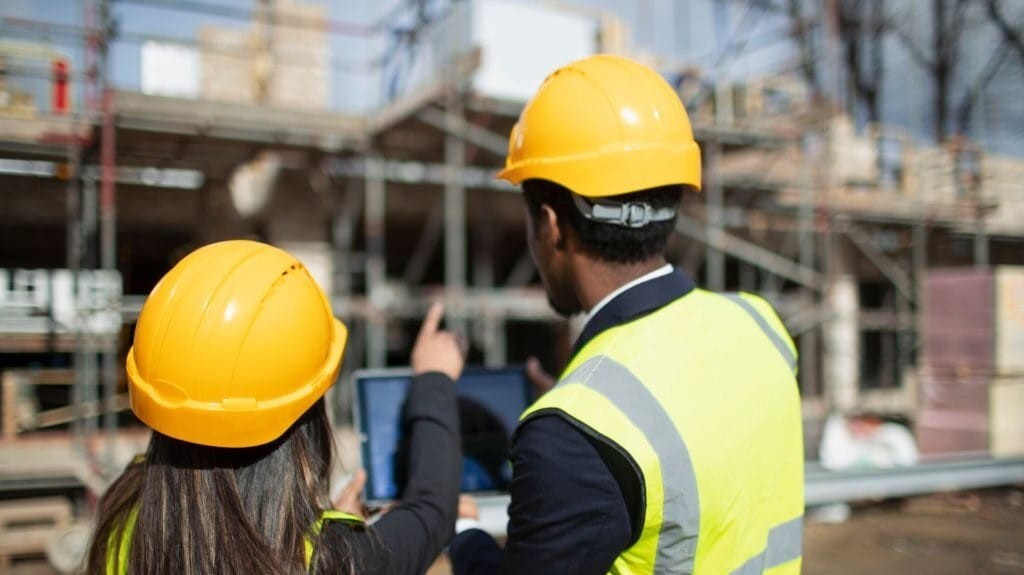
(950, 533)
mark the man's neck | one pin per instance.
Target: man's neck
(599, 279)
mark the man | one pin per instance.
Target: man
(672, 442)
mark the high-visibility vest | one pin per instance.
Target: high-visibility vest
(701, 397)
(118, 564)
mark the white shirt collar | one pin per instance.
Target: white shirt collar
(662, 271)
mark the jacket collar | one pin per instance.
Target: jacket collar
(634, 303)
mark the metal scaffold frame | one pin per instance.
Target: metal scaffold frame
(797, 237)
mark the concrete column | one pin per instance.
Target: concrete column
(842, 343)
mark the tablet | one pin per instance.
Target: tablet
(490, 402)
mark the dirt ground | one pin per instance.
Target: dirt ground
(946, 534)
(963, 533)
(953, 533)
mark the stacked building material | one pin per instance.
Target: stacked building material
(972, 379)
(228, 59)
(282, 59)
(300, 56)
(1007, 393)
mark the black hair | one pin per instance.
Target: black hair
(607, 242)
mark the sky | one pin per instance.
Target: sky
(677, 32)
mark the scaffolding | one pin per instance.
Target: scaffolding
(398, 207)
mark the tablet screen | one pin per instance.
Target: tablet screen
(489, 402)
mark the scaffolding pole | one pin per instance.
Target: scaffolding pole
(108, 232)
(806, 236)
(417, 264)
(455, 216)
(376, 272)
(73, 258)
(751, 253)
(343, 233)
(490, 330)
(980, 238)
(84, 386)
(715, 256)
(453, 123)
(892, 270)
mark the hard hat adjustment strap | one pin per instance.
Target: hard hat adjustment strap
(625, 214)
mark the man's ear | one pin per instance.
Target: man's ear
(548, 229)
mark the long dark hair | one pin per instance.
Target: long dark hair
(214, 510)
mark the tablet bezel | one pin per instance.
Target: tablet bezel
(392, 372)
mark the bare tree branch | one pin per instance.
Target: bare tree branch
(877, 31)
(804, 39)
(912, 48)
(970, 99)
(945, 41)
(862, 28)
(952, 31)
(1011, 35)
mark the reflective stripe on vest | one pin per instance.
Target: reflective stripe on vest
(680, 522)
(119, 565)
(779, 341)
(318, 526)
(696, 395)
(785, 544)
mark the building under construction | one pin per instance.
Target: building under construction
(234, 130)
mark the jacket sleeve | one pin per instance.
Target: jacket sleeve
(568, 513)
(409, 537)
(475, 552)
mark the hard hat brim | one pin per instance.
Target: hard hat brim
(233, 422)
(614, 172)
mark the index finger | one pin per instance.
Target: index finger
(433, 319)
(348, 500)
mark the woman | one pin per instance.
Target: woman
(233, 352)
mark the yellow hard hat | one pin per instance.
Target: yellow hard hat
(232, 346)
(604, 126)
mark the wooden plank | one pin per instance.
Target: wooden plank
(43, 342)
(68, 413)
(25, 541)
(55, 510)
(45, 456)
(28, 525)
(13, 379)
